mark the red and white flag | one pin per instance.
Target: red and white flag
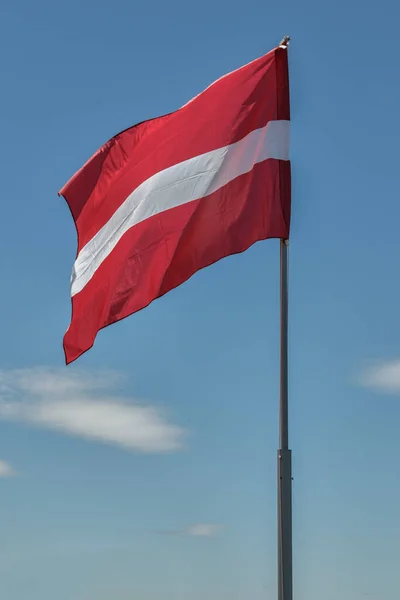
(175, 194)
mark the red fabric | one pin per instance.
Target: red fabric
(163, 251)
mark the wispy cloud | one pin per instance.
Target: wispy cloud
(204, 530)
(6, 470)
(80, 403)
(383, 377)
(196, 530)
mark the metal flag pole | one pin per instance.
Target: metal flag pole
(285, 566)
(285, 577)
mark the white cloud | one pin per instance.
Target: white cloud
(75, 402)
(383, 377)
(196, 530)
(204, 530)
(5, 469)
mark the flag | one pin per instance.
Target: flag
(175, 194)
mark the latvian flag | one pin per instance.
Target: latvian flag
(175, 194)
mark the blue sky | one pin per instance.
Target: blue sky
(181, 503)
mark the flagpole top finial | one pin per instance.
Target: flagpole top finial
(285, 42)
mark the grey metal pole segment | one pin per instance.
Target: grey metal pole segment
(285, 568)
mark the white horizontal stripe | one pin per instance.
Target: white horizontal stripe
(184, 182)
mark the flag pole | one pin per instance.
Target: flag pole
(285, 568)
(285, 563)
